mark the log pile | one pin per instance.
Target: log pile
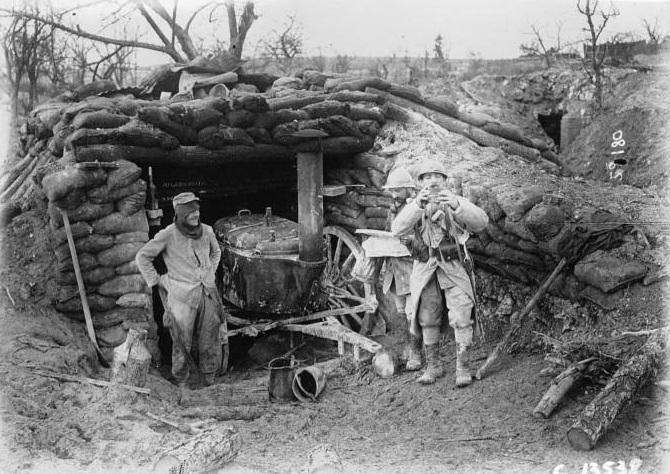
(105, 205)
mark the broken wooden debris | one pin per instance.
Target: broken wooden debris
(99, 383)
(206, 451)
(559, 387)
(598, 415)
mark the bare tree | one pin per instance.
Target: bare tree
(26, 48)
(174, 39)
(593, 65)
(283, 46)
(540, 48)
(653, 34)
(343, 63)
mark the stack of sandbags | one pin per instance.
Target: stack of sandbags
(365, 205)
(105, 207)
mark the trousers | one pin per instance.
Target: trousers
(431, 311)
(199, 330)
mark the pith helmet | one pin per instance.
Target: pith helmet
(399, 178)
(431, 166)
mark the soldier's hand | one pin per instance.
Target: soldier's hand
(448, 198)
(422, 198)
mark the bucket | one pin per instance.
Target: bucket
(282, 371)
(308, 383)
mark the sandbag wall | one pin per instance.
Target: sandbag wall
(104, 204)
(531, 228)
(364, 205)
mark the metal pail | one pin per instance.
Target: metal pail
(282, 371)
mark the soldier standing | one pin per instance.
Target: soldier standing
(436, 222)
(192, 254)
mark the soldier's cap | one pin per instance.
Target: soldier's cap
(184, 198)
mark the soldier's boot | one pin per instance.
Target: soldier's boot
(433, 365)
(463, 376)
(414, 361)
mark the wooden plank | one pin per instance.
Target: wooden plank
(335, 332)
(332, 190)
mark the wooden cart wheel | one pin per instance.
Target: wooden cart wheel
(342, 252)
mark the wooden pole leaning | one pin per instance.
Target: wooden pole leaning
(82, 289)
(519, 320)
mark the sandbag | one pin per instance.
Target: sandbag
(135, 300)
(112, 336)
(116, 223)
(56, 185)
(259, 135)
(442, 104)
(123, 284)
(87, 261)
(544, 221)
(373, 200)
(98, 275)
(378, 223)
(183, 110)
(89, 211)
(377, 178)
(127, 268)
(99, 119)
(337, 219)
(326, 108)
(608, 272)
(368, 127)
(377, 211)
(161, 118)
(266, 120)
(79, 229)
(143, 134)
(360, 177)
(114, 316)
(217, 138)
(71, 200)
(406, 92)
(95, 301)
(338, 175)
(131, 237)
(254, 103)
(103, 194)
(341, 209)
(119, 254)
(290, 115)
(240, 119)
(131, 204)
(88, 244)
(126, 173)
(361, 112)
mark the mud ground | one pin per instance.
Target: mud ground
(374, 425)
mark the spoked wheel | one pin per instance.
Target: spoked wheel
(342, 253)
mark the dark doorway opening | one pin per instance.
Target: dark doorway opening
(551, 124)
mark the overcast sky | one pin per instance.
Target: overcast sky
(491, 28)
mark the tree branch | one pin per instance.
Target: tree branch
(184, 39)
(104, 39)
(168, 44)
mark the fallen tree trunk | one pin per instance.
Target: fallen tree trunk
(207, 451)
(598, 415)
(559, 387)
(225, 395)
(10, 176)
